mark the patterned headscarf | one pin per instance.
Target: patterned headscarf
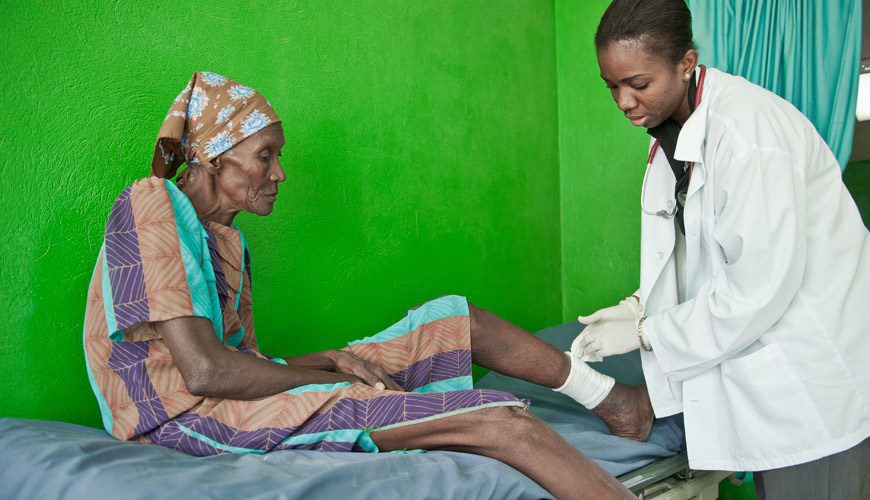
(211, 115)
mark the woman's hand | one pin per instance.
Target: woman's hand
(608, 331)
(369, 373)
(628, 308)
(210, 369)
(606, 338)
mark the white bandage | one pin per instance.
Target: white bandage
(590, 358)
(585, 385)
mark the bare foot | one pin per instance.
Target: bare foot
(627, 412)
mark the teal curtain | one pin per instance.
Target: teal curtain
(807, 51)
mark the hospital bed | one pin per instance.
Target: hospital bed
(41, 459)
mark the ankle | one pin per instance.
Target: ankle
(616, 401)
(626, 412)
(563, 371)
(585, 385)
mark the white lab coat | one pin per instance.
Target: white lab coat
(769, 356)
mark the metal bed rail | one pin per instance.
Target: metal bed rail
(673, 479)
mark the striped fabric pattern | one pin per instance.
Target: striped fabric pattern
(159, 262)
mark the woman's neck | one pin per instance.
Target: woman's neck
(207, 202)
(223, 218)
(684, 111)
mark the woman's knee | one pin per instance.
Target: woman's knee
(478, 320)
(509, 424)
(481, 431)
(473, 316)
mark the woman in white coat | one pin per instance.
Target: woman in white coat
(753, 313)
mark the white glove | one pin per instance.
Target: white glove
(606, 338)
(590, 346)
(628, 308)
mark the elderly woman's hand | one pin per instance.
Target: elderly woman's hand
(370, 373)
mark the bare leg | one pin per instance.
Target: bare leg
(508, 349)
(627, 411)
(499, 345)
(516, 437)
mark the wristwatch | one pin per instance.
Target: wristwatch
(644, 343)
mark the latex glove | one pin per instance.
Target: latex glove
(628, 308)
(606, 338)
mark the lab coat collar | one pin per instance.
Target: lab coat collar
(691, 139)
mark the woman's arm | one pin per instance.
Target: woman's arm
(209, 369)
(323, 360)
(346, 362)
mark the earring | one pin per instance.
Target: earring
(687, 76)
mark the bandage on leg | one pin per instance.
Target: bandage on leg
(585, 385)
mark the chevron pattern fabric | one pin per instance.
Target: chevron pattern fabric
(159, 262)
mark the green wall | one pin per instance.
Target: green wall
(602, 160)
(422, 160)
(426, 155)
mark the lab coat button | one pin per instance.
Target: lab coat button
(660, 255)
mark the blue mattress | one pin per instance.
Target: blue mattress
(41, 459)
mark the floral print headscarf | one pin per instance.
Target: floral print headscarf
(211, 115)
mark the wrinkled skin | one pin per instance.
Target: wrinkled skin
(243, 179)
(647, 88)
(246, 178)
(627, 411)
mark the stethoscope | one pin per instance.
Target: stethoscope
(672, 211)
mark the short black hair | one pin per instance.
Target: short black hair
(663, 26)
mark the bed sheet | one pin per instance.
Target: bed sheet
(42, 459)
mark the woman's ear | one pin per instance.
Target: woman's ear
(688, 64)
(214, 166)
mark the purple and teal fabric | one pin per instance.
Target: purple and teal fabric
(160, 262)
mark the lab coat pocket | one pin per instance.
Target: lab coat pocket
(770, 405)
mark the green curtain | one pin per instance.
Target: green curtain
(807, 51)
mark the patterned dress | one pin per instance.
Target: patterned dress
(159, 262)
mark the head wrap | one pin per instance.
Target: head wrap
(211, 115)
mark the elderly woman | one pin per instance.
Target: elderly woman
(173, 360)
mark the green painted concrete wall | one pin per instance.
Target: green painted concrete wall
(602, 160)
(422, 160)
(426, 155)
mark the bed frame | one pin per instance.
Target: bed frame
(672, 479)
